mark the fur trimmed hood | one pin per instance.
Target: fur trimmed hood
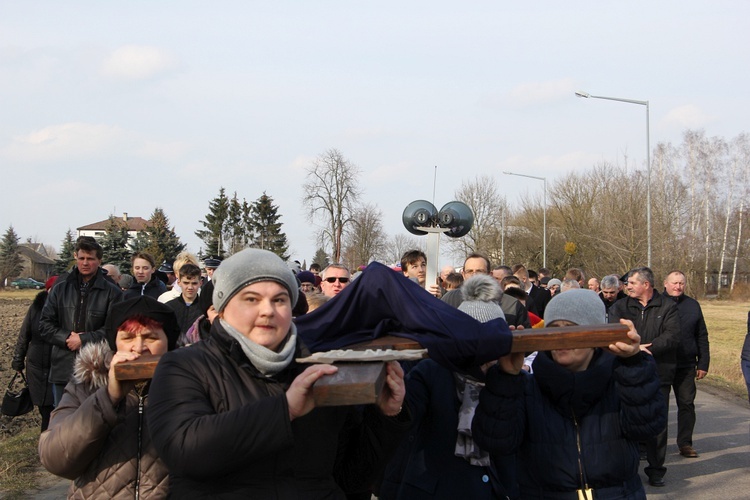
(92, 365)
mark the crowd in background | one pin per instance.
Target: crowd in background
(230, 405)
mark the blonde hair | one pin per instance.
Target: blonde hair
(182, 259)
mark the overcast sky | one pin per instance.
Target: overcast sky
(112, 107)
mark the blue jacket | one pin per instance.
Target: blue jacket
(607, 408)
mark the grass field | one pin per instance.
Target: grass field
(727, 327)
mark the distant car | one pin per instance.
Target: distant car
(27, 283)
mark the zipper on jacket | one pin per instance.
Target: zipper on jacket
(138, 451)
(584, 493)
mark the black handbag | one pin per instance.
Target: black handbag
(17, 403)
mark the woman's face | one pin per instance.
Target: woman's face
(152, 340)
(262, 312)
(142, 270)
(575, 360)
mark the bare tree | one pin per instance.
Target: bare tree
(331, 195)
(365, 239)
(742, 151)
(483, 197)
(399, 244)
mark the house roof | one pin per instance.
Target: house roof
(28, 250)
(133, 224)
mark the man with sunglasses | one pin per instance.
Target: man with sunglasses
(335, 279)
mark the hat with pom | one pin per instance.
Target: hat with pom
(481, 295)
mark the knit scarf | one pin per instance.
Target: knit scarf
(468, 393)
(268, 362)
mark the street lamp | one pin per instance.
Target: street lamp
(586, 95)
(544, 228)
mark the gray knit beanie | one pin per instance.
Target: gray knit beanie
(251, 266)
(579, 306)
(481, 295)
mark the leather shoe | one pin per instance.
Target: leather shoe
(688, 451)
(657, 481)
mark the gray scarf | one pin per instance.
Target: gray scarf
(468, 393)
(268, 362)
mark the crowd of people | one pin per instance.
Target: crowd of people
(230, 411)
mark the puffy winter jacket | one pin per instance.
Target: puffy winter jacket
(555, 417)
(223, 429)
(59, 319)
(106, 450)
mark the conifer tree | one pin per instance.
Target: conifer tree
(213, 233)
(234, 229)
(115, 247)
(320, 258)
(11, 263)
(158, 238)
(267, 228)
(65, 258)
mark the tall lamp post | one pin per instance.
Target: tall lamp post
(586, 95)
(544, 229)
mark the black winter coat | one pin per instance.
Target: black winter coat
(36, 352)
(608, 408)
(59, 319)
(223, 430)
(693, 348)
(657, 324)
(154, 288)
(426, 466)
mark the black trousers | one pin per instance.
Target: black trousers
(684, 393)
(656, 447)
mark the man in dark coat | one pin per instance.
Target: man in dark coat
(76, 310)
(693, 358)
(658, 323)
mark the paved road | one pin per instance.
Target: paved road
(722, 472)
(722, 439)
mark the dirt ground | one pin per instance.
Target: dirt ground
(12, 312)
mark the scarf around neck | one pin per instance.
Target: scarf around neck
(268, 362)
(467, 390)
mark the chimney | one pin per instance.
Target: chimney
(124, 216)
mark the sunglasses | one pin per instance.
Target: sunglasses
(340, 280)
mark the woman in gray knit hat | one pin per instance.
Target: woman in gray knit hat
(574, 424)
(235, 416)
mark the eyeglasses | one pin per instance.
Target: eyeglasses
(340, 280)
(307, 286)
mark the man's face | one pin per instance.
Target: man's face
(675, 284)
(609, 294)
(142, 270)
(210, 271)
(475, 265)
(499, 274)
(417, 270)
(87, 263)
(637, 288)
(594, 284)
(190, 287)
(445, 272)
(336, 280)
